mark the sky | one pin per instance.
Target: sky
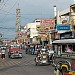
(30, 10)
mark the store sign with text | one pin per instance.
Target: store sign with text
(63, 27)
(48, 22)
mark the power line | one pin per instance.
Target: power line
(6, 28)
(9, 10)
(3, 4)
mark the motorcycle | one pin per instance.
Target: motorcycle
(41, 58)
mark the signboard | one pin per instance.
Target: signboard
(44, 29)
(63, 27)
(47, 22)
(66, 35)
(64, 19)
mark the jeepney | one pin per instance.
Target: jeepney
(65, 61)
(14, 51)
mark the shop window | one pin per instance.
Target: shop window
(63, 48)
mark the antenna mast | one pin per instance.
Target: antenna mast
(18, 22)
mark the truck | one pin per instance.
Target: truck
(14, 51)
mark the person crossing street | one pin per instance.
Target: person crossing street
(3, 54)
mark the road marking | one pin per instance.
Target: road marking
(9, 63)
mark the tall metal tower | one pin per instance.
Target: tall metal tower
(18, 22)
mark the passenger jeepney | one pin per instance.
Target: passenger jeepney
(65, 61)
(14, 51)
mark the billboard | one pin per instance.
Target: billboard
(63, 27)
(46, 22)
(44, 29)
(64, 19)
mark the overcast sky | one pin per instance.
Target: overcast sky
(30, 10)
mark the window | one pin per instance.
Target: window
(74, 27)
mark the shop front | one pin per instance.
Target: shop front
(64, 46)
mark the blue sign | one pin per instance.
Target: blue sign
(63, 27)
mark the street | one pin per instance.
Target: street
(24, 66)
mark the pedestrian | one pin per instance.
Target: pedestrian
(3, 54)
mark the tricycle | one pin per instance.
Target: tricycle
(65, 67)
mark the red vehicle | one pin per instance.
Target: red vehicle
(14, 51)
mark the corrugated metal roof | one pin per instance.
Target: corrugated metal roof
(64, 41)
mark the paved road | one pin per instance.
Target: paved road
(24, 66)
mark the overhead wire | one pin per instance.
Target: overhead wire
(9, 10)
(1, 7)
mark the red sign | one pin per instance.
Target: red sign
(48, 22)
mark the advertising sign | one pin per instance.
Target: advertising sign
(47, 22)
(63, 27)
(66, 35)
(44, 29)
(64, 19)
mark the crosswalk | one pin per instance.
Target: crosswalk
(9, 63)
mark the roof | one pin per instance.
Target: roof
(63, 41)
(34, 43)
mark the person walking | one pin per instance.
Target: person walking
(3, 54)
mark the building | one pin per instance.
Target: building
(66, 29)
(31, 31)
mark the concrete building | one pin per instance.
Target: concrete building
(66, 30)
(31, 31)
(66, 18)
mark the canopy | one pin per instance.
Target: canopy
(64, 41)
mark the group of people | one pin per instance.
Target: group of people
(68, 49)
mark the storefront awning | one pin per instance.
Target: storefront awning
(64, 41)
